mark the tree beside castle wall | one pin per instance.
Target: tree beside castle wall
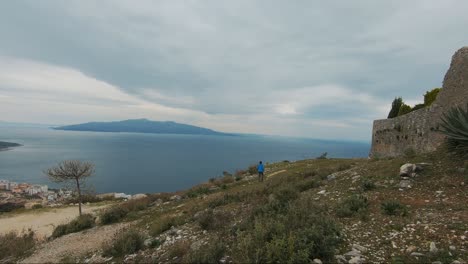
(418, 130)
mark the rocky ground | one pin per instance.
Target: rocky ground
(430, 227)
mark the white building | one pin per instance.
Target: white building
(37, 189)
(4, 185)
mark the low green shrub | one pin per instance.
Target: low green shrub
(126, 242)
(368, 185)
(213, 220)
(299, 235)
(252, 170)
(80, 223)
(307, 185)
(13, 245)
(343, 167)
(136, 204)
(308, 174)
(37, 206)
(198, 191)
(165, 223)
(210, 253)
(353, 205)
(394, 208)
(113, 215)
(225, 199)
(323, 156)
(178, 250)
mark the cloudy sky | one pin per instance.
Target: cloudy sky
(319, 69)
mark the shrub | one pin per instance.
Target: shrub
(404, 109)
(161, 225)
(240, 173)
(113, 215)
(213, 220)
(179, 249)
(367, 185)
(307, 185)
(455, 126)
(252, 169)
(323, 156)
(431, 96)
(353, 205)
(418, 106)
(136, 204)
(8, 207)
(210, 253)
(198, 191)
(14, 246)
(394, 208)
(396, 104)
(80, 223)
(343, 167)
(126, 242)
(300, 235)
(37, 206)
(225, 199)
(410, 153)
(308, 174)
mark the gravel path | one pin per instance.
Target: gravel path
(43, 222)
(74, 245)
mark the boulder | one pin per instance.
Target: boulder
(410, 169)
(138, 196)
(405, 184)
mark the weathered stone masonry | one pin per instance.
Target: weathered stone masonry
(418, 130)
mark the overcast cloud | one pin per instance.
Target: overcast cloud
(320, 69)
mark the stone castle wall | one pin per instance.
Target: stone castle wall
(418, 130)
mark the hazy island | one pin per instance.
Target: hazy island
(7, 145)
(141, 126)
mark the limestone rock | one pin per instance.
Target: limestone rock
(405, 184)
(410, 170)
(433, 248)
(317, 261)
(138, 196)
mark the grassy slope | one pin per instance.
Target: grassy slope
(437, 207)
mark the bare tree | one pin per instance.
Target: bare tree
(71, 171)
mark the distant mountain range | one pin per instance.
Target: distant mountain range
(5, 145)
(142, 126)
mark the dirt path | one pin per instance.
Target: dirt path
(74, 245)
(275, 173)
(42, 222)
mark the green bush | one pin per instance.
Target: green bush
(417, 107)
(396, 104)
(455, 126)
(307, 185)
(225, 199)
(367, 185)
(300, 235)
(80, 223)
(394, 208)
(136, 204)
(213, 220)
(404, 109)
(323, 156)
(410, 152)
(431, 96)
(37, 206)
(113, 215)
(161, 225)
(352, 206)
(210, 253)
(198, 191)
(252, 169)
(14, 246)
(126, 242)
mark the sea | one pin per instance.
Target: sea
(149, 163)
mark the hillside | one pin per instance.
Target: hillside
(330, 210)
(141, 126)
(5, 145)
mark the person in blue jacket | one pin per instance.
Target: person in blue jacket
(261, 170)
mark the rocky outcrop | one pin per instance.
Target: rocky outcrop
(418, 130)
